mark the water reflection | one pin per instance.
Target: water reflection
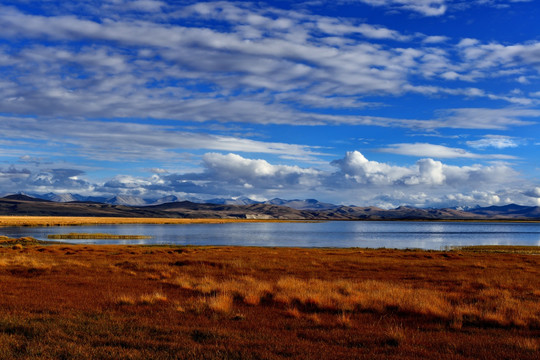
(424, 235)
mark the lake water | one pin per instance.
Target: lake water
(388, 234)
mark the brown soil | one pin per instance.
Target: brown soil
(141, 302)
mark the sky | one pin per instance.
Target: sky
(426, 103)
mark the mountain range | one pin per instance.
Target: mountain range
(130, 200)
(20, 204)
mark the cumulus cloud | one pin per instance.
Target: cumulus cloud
(235, 169)
(356, 169)
(13, 174)
(67, 179)
(534, 192)
(44, 180)
(137, 65)
(353, 179)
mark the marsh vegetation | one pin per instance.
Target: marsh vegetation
(137, 302)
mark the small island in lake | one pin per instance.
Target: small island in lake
(97, 236)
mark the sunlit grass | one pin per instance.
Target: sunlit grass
(112, 301)
(76, 220)
(490, 306)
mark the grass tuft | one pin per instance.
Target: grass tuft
(153, 298)
(394, 335)
(293, 313)
(345, 320)
(125, 300)
(221, 303)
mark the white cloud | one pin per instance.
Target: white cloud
(424, 7)
(439, 7)
(121, 141)
(256, 172)
(356, 180)
(494, 59)
(440, 151)
(108, 80)
(496, 141)
(534, 192)
(434, 39)
(151, 65)
(248, 63)
(357, 169)
(484, 118)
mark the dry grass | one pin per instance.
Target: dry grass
(125, 300)
(490, 306)
(528, 344)
(221, 303)
(395, 335)
(139, 302)
(345, 320)
(81, 220)
(25, 261)
(152, 298)
(293, 313)
(508, 249)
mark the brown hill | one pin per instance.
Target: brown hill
(24, 205)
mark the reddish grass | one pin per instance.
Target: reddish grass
(138, 302)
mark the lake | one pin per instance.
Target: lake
(388, 234)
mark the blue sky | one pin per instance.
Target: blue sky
(426, 103)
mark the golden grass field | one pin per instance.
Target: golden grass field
(167, 302)
(81, 220)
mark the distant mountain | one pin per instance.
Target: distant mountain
(122, 206)
(308, 204)
(508, 211)
(66, 197)
(126, 200)
(238, 201)
(22, 197)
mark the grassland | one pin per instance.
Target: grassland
(81, 220)
(160, 302)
